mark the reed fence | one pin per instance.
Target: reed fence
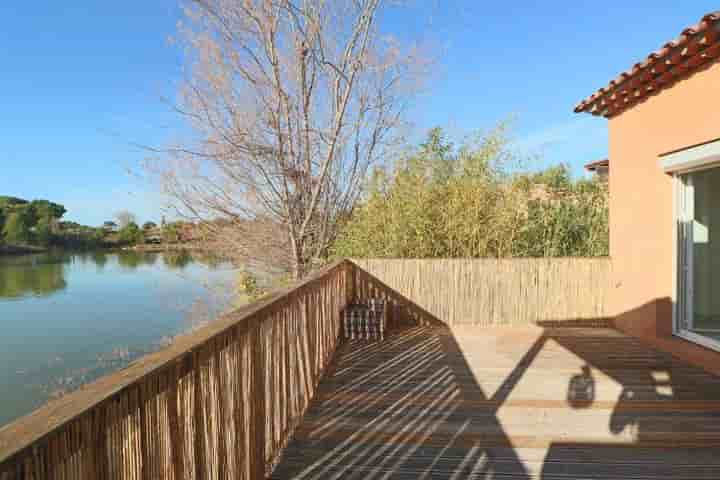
(495, 292)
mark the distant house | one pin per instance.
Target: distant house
(187, 232)
(601, 168)
(110, 226)
(664, 141)
(153, 238)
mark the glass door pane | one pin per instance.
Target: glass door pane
(685, 247)
(704, 291)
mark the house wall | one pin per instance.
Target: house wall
(641, 207)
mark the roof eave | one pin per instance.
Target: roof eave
(696, 47)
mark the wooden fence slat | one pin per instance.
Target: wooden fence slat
(492, 292)
(199, 415)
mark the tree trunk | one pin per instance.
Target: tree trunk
(299, 265)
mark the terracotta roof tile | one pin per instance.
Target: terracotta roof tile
(592, 166)
(695, 46)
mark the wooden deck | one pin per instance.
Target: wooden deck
(510, 404)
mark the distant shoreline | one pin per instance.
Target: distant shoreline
(158, 248)
(13, 250)
(20, 249)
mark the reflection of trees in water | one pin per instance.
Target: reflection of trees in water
(131, 259)
(150, 258)
(38, 275)
(53, 256)
(210, 260)
(177, 260)
(194, 301)
(172, 259)
(44, 273)
(82, 257)
(99, 258)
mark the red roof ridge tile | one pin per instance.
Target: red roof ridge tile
(658, 69)
(605, 162)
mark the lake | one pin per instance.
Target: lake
(68, 318)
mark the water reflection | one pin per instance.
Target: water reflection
(68, 318)
(44, 274)
(177, 260)
(131, 260)
(100, 258)
(32, 275)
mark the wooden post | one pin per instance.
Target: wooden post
(176, 435)
(351, 271)
(221, 386)
(258, 417)
(199, 414)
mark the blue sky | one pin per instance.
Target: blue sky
(81, 81)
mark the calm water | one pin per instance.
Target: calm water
(66, 319)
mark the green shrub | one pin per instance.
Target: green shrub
(17, 227)
(43, 232)
(131, 234)
(471, 201)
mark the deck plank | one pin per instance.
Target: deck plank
(508, 403)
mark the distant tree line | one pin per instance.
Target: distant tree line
(475, 200)
(39, 223)
(28, 222)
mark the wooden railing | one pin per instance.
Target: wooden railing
(217, 403)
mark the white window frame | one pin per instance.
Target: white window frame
(681, 164)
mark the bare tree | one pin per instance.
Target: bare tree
(290, 102)
(124, 218)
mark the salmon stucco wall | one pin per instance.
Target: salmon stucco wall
(641, 206)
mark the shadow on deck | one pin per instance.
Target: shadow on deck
(514, 403)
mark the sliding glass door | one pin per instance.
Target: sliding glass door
(698, 296)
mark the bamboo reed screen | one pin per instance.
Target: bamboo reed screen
(218, 403)
(491, 292)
